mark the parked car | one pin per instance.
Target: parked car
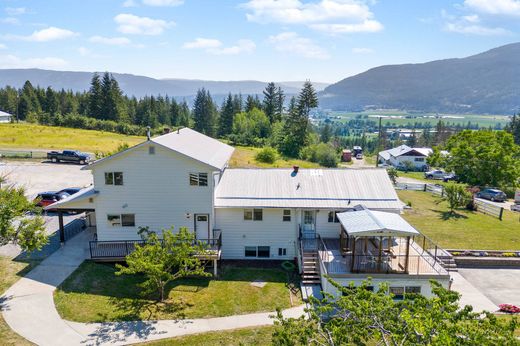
(359, 156)
(69, 156)
(70, 190)
(47, 198)
(494, 195)
(449, 177)
(515, 207)
(435, 174)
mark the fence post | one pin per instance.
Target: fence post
(424, 188)
(501, 212)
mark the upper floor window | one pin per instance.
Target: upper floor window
(113, 178)
(125, 220)
(199, 179)
(253, 214)
(333, 217)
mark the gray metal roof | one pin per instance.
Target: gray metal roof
(197, 146)
(79, 200)
(309, 188)
(403, 149)
(371, 223)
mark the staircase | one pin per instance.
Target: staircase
(448, 263)
(311, 269)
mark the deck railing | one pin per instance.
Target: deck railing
(119, 249)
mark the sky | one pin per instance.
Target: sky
(267, 40)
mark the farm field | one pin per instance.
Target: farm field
(462, 230)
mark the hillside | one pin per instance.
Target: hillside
(484, 83)
(139, 85)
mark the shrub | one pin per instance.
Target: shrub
(409, 203)
(392, 174)
(322, 153)
(267, 155)
(508, 254)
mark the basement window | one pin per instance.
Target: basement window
(282, 251)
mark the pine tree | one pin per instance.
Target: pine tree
(204, 113)
(94, 97)
(226, 117)
(184, 114)
(252, 102)
(514, 128)
(280, 99)
(270, 101)
(51, 104)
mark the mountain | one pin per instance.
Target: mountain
(488, 82)
(140, 85)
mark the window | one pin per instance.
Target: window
(151, 150)
(199, 179)
(202, 218)
(250, 251)
(128, 220)
(109, 178)
(398, 292)
(115, 220)
(264, 252)
(113, 178)
(282, 251)
(413, 289)
(332, 217)
(253, 214)
(419, 159)
(286, 215)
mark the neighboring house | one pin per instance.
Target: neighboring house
(398, 156)
(5, 117)
(181, 179)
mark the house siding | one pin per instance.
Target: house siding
(155, 188)
(272, 231)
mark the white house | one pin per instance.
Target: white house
(398, 157)
(181, 179)
(5, 117)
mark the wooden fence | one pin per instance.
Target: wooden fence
(437, 190)
(488, 208)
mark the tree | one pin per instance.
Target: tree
(514, 128)
(205, 113)
(326, 133)
(484, 158)
(267, 155)
(16, 225)
(252, 102)
(164, 260)
(393, 174)
(456, 195)
(322, 153)
(360, 316)
(226, 117)
(250, 128)
(269, 104)
(94, 98)
(280, 99)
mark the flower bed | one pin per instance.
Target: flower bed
(477, 253)
(509, 308)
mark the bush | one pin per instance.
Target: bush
(322, 153)
(267, 155)
(82, 122)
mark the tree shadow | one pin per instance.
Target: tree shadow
(119, 332)
(446, 215)
(144, 309)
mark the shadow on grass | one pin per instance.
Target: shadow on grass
(144, 309)
(449, 215)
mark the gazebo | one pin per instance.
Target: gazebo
(375, 241)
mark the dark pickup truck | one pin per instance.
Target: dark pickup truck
(69, 156)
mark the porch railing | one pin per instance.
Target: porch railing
(119, 249)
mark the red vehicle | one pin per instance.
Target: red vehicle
(47, 198)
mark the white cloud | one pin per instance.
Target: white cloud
(15, 11)
(495, 7)
(475, 29)
(291, 42)
(362, 50)
(45, 35)
(113, 41)
(131, 24)
(12, 61)
(163, 2)
(10, 20)
(3, 46)
(216, 47)
(334, 16)
(83, 51)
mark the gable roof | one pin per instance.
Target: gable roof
(309, 188)
(4, 114)
(403, 150)
(79, 200)
(370, 223)
(190, 143)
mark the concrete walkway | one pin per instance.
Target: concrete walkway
(470, 295)
(28, 308)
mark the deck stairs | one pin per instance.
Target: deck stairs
(311, 268)
(448, 263)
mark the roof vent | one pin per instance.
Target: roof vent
(296, 169)
(148, 134)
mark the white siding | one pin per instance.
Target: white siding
(156, 189)
(238, 233)
(400, 160)
(325, 228)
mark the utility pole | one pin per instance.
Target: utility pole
(378, 143)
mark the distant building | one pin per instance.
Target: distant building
(5, 117)
(398, 156)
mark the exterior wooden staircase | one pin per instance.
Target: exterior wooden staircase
(311, 268)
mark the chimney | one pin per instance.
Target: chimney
(166, 130)
(148, 134)
(295, 169)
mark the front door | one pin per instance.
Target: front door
(202, 226)
(309, 224)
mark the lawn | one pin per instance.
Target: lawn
(10, 272)
(32, 136)
(94, 294)
(244, 157)
(463, 230)
(246, 336)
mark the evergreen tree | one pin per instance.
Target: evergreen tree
(204, 113)
(326, 133)
(280, 99)
(237, 104)
(51, 104)
(270, 101)
(514, 128)
(95, 98)
(252, 102)
(184, 114)
(226, 117)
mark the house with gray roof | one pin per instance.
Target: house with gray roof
(404, 156)
(5, 117)
(311, 216)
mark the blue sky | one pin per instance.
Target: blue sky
(278, 40)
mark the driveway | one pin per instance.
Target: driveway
(500, 285)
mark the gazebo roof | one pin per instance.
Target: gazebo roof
(369, 223)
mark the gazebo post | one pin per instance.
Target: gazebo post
(407, 254)
(61, 226)
(380, 253)
(353, 255)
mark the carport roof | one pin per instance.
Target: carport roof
(79, 200)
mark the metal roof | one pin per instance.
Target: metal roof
(402, 150)
(79, 200)
(309, 188)
(371, 223)
(4, 114)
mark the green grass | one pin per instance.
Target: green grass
(32, 136)
(10, 272)
(94, 294)
(463, 230)
(246, 336)
(244, 157)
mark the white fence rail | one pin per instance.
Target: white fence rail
(488, 208)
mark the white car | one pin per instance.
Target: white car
(515, 207)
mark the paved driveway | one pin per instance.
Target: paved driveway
(499, 285)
